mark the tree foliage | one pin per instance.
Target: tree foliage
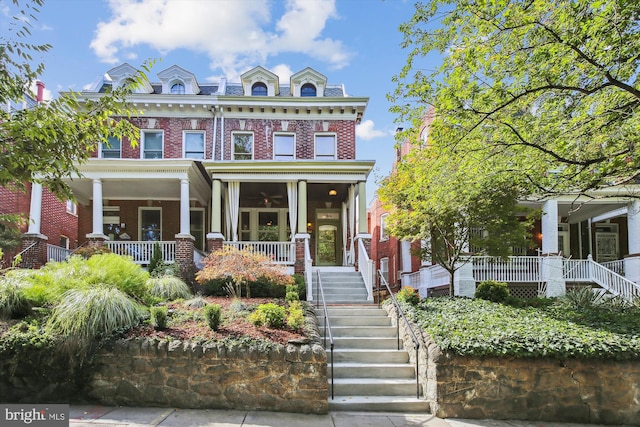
(46, 143)
(551, 86)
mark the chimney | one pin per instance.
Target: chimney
(40, 96)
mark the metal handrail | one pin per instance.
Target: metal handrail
(400, 312)
(25, 250)
(327, 325)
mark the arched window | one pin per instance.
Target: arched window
(259, 89)
(177, 89)
(308, 89)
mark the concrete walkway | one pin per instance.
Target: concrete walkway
(104, 416)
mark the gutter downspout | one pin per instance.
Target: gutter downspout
(221, 134)
(215, 131)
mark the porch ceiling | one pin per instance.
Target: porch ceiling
(577, 210)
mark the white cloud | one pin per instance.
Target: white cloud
(234, 38)
(283, 71)
(367, 131)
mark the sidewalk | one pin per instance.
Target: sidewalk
(105, 416)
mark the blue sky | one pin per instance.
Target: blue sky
(352, 42)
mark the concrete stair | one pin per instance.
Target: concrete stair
(342, 286)
(370, 373)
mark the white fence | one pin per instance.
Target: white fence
(279, 252)
(428, 277)
(141, 252)
(57, 253)
(514, 269)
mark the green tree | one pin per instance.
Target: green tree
(47, 142)
(551, 85)
(446, 200)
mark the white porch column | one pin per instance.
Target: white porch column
(35, 209)
(184, 208)
(97, 211)
(632, 261)
(302, 207)
(464, 285)
(363, 227)
(405, 247)
(550, 227)
(551, 269)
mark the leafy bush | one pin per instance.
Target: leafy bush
(260, 288)
(409, 295)
(156, 263)
(87, 252)
(292, 294)
(581, 298)
(83, 314)
(13, 301)
(295, 317)
(491, 290)
(482, 328)
(120, 272)
(270, 314)
(159, 316)
(301, 285)
(213, 315)
(168, 288)
(197, 302)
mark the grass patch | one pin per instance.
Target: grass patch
(483, 328)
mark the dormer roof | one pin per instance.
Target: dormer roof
(176, 74)
(311, 76)
(119, 74)
(260, 75)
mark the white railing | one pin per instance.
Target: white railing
(617, 266)
(429, 277)
(141, 252)
(576, 270)
(514, 269)
(587, 270)
(308, 265)
(57, 253)
(367, 269)
(279, 252)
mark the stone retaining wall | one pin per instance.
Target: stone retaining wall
(580, 391)
(145, 372)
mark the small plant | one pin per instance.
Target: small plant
(292, 294)
(581, 298)
(13, 301)
(295, 318)
(87, 252)
(213, 315)
(168, 288)
(197, 302)
(159, 316)
(409, 295)
(156, 263)
(270, 314)
(491, 290)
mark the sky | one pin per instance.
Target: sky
(352, 42)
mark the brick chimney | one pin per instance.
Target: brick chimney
(40, 86)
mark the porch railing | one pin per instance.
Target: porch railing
(279, 252)
(57, 253)
(587, 270)
(308, 267)
(141, 252)
(515, 269)
(366, 267)
(617, 266)
(427, 278)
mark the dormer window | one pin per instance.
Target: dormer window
(177, 89)
(308, 89)
(259, 89)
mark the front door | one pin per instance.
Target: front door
(328, 237)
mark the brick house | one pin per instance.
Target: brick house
(259, 163)
(597, 245)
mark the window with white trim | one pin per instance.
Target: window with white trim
(72, 208)
(177, 88)
(242, 146)
(64, 242)
(193, 145)
(325, 147)
(150, 220)
(283, 147)
(383, 227)
(152, 144)
(384, 268)
(111, 148)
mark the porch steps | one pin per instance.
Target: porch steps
(370, 373)
(342, 286)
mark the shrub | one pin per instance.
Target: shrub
(168, 288)
(197, 302)
(409, 295)
(120, 272)
(156, 263)
(87, 313)
(301, 285)
(159, 316)
(213, 314)
(87, 252)
(295, 318)
(260, 288)
(270, 314)
(292, 294)
(491, 290)
(581, 298)
(13, 301)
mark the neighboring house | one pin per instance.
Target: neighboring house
(61, 226)
(260, 163)
(597, 244)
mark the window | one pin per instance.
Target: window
(64, 242)
(383, 227)
(196, 227)
(72, 208)
(150, 224)
(283, 147)
(177, 89)
(111, 148)
(193, 145)
(384, 268)
(308, 89)
(111, 221)
(259, 89)
(325, 147)
(242, 146)
(151, 144)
